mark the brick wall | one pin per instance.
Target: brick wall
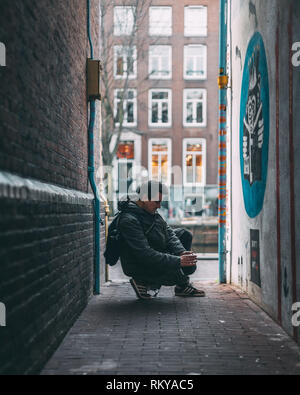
(43, 90)
(46, 206)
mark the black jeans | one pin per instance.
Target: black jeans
(175, 276)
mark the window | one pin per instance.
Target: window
(194, 107)
(160, 61)
(124, 62)
(125, 156)
(160, 160)
(160, 107)
(124, 20)
(194, 162)
(195, 62)
(195, 21)
(160, 23)
(125, 107)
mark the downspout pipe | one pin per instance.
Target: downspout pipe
(222, 158)
(91, 169)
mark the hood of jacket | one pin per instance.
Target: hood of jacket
(128, 204)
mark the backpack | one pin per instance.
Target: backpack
(113, 246)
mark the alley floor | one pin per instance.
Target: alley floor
(223, 333)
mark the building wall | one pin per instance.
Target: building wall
(177, 132)
(177, 84)
(275, 213)
(47, 221)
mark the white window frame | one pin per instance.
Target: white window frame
(186, 57)
(188, 32)
(126, 136)
(169, 101)
(159, 75)
(125, 123)
(184, 167)
(153, 29)
(169, 153)
(204, 109)
(121, 50)
(118, 31)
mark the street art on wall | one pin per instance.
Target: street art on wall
(254, 126)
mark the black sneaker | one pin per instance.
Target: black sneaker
(140, 290)
(189, 291)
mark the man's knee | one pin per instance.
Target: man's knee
(186, 238)
(188, 270)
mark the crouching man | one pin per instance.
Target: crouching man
(153, 254)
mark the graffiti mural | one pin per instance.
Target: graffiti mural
(254, 126)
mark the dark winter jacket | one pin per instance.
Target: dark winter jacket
(151, 255)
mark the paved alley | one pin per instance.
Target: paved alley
(223, 333)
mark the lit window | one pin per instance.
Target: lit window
(195, 61)
(125, 107)
(160, 107)
(160, 61)
(194, 166)
(195, 21)
(160, 23)
(194, 107)
(159, 160)
(124, 20)
(124, 62)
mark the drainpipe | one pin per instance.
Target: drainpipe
(91, 170)
(222, 82)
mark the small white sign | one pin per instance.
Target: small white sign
(2, 55)
(2, 314)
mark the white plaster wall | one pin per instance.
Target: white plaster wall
(243, 25)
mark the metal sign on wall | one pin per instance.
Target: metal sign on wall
(255, 256)
(254, 126)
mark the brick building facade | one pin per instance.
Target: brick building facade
(172, 100)
(46, 204)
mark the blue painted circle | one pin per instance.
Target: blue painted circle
(254, 110)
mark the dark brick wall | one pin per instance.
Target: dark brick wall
(43, 107)
(46, 243)
(46, 277)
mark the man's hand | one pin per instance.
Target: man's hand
(188, 258)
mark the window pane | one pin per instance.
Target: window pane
(154, 112)
(164, 168)
(198, 168)
(189, 113)
(194, 147)
(130, 95)
(189, 168)
(160, 95)
(165, 113)
(130, 112)
(119, 116)
(155, 167)
(120, 67)
(161, 20)
(195, 21)
(123, 20)
(199, 113)
(159, 147)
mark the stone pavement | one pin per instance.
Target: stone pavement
(223, 333)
